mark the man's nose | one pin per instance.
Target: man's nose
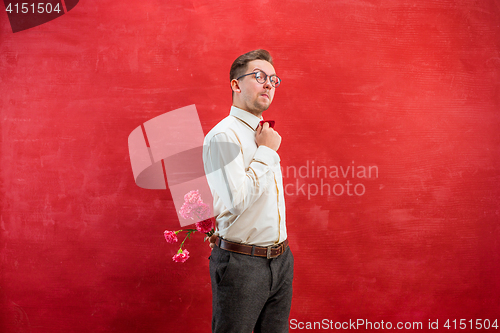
(267, 83)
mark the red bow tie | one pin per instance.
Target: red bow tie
(271, 123)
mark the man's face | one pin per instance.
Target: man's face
(256, 97)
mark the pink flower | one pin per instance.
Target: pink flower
(203, 211)
(181, 256)
(186, 210)
(193, 197)
(204, 226)
(170, 236)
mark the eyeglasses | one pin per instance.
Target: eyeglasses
(261, 78)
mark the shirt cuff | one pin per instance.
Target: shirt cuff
(267, 156)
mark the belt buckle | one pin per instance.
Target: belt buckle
(269, 256)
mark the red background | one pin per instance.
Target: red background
(411, 87)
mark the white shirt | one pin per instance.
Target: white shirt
(249, 205)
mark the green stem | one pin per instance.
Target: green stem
(190, 231)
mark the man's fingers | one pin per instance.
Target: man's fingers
(212, 240)
(260, 128)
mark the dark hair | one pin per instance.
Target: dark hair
(239, 66)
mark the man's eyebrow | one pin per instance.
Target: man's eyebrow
(253, 70)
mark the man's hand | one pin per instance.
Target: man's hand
(266, 136)
(212, 240)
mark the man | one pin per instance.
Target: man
(251, 265)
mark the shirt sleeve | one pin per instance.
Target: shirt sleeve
(237, 186)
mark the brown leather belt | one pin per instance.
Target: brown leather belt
(268, 252)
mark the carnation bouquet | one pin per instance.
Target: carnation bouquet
(193, 207)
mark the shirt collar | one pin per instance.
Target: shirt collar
(249, 119)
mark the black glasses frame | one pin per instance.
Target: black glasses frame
(274, 79)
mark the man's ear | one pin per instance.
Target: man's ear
(235, 86)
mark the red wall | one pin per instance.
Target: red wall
(411, 88)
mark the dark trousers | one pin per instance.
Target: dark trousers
(250, 293)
